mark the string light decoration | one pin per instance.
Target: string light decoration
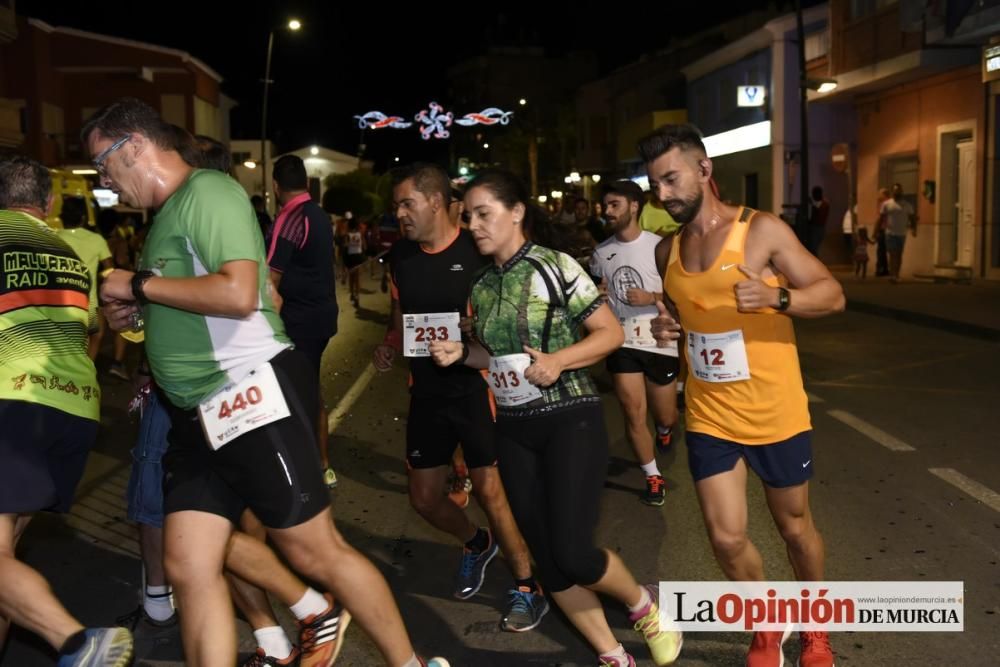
(490, 116)
(434, 121)
(376, 120)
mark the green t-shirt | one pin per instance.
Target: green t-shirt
(44, 296)
(539, 298)
(92, 249)
(207, 222)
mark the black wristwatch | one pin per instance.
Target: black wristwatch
(784, 299)
(139, 279)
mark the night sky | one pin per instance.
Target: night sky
(352, 57)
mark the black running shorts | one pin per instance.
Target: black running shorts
(42, 455)
(436, 426)
(659, 369)
(273, 470)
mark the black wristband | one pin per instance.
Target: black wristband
(465, 353)
(139, 279)
(784, 299)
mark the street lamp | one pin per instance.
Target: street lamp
(292, 25)
(522, 101)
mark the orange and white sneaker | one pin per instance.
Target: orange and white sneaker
(664, 435)
(459, 492)
(816, 650)
(321, 636)
(765, 649)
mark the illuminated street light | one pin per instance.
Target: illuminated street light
(557, 194)
(542, 199)
(314, 150)
(568, 180)
(823, 85)
(294, 25)
(596, 178)
(463, 171)
(486, 145)
(250, 164)
(574, 176)
(522, 102)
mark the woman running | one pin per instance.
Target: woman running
(552, 442)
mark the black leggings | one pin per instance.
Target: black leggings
(553, 469)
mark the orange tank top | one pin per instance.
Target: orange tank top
(744, 383)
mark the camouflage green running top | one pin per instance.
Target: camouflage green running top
(539, 297)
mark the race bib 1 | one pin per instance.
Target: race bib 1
(639, 335)
(240, 408)
(506, 379)
(420, 330)
(719, 357)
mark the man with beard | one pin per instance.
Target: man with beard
(432, 268)
(733, 277)
(626, 265)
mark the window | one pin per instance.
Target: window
(817, 45)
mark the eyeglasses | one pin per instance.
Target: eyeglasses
(99, 160)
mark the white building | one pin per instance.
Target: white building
(320, 162)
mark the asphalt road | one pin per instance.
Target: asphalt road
(906, 488)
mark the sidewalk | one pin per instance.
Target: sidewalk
(969, 310)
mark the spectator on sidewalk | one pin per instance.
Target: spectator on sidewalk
(898, 218)
(819, 213)
(881, 254)
(848, 228)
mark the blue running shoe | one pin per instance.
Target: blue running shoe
(524, 610)
(473, 570)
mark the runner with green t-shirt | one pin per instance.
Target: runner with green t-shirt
(93, 250)
(552, 445)
(242, 401)
(49, 408)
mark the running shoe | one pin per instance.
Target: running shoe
(663, 438)
(262, 659)
(329, 478)
(816, 650)
(139, 615)
(654, 491)
(103, 647)
(472, 570)
(615, 662)
(664, 643)
(525, 609)
(321, 636)
(434, 662)
(460, 489)
(765, 649)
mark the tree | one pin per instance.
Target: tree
(356, 191)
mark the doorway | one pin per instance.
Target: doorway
(955, 205)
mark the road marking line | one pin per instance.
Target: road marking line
(813, 398)
(878, 435)
(352, 395)
(983, 494)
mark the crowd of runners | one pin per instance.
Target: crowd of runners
(500, 331)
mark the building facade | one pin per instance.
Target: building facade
(53, 78)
